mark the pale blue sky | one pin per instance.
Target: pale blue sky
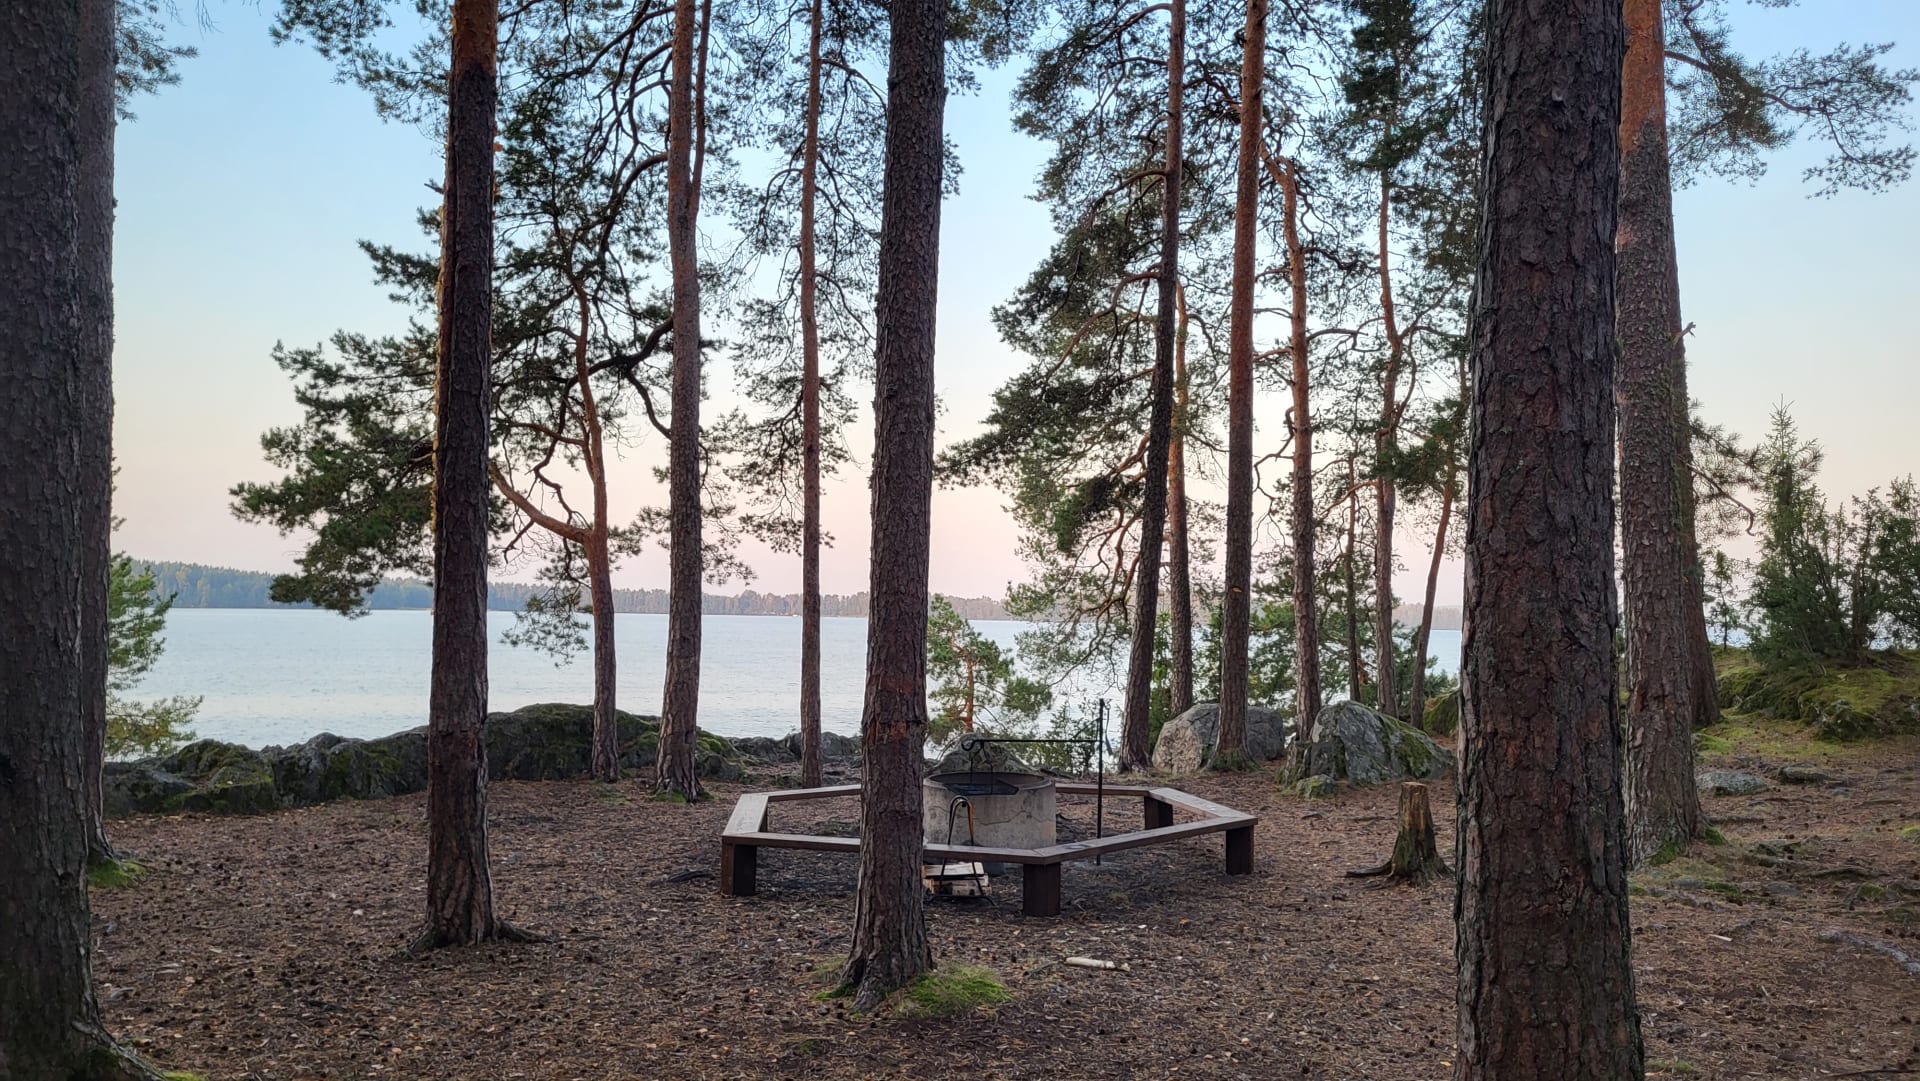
(242, 193)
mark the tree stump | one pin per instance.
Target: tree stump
(1416, 852)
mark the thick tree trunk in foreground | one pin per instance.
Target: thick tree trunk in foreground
(1545, 984)
(890, 947)
(1179, 547)
(675, 772)
(1663, 803)
(56, 319)
(459, 883)
(1135, 750)
(810, 421)
(1417, 693)
(1236, 604)
(1416, 851)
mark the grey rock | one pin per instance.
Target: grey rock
(132, 787)
(1726, 782)
(1187, 742)
(981, 758)
(1362, 746)
(1318, 786)
(1803, 775)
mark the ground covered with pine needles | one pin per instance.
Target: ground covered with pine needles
(268, 947)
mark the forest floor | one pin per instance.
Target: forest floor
(267, 947)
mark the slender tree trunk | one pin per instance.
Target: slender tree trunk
(890, 947)
(675, 769)
(56, 319)
(1135, 749)
(1306, 614)
(1417, 695)
(1663, 803)
(1542, 907)
(459, 883)
(1179, 556)
(1355, 669)
(1236, 605)
(605, 762)
(810, 422)
(1386, 696)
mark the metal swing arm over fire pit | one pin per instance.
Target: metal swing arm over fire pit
(747, 832)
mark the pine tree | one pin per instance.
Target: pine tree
(1540, 800)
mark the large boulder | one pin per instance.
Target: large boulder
(1443, 714)
(1187, 742)
(1362, 746)
(769, 750)
(226, 778)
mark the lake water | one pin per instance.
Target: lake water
(282, 675)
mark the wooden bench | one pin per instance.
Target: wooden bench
(748, 832)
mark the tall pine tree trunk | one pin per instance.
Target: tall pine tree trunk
(675, 769)
(1135, 746)
(1303, 525)
(96, 209)
(1355, 670)
(810, 421)
(890, 946)
(1236, 605)
(1386, 695)
(1417, 693)
(1545, 977)
(56, 318)
(1663, 803)
(1179, 554)
(459, 884)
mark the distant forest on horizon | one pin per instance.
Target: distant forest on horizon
(196, 585)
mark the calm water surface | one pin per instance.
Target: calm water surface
(283, 675)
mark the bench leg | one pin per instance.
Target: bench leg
(1240, 851)
(1040, 889)
(1159, 813)
(738, 863)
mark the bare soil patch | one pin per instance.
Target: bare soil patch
(266, 947)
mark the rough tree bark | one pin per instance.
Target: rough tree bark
(1663, 803)
(1236, 604)
(675, 772)
(1304, 524)
(810, 421)
(1541, 913)
(459, 883)
(1179, 555)
(890, 946)
(56, 319)
(97, 124)
(1136, 751)
(1387, 688)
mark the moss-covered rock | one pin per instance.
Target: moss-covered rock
(1362, 746)
(1841, 703)
(1443, 715)
(226, 777)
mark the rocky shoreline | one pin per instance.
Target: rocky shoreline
(535, 743)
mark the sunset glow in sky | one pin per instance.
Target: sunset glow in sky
(242, 193)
